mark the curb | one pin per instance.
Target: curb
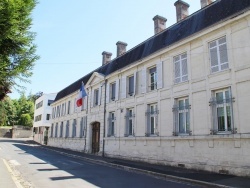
(137, 170)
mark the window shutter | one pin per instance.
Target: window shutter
(144, 80)
(123, 87)
(85, 126)
(99, 95)
(177, 72)
(107, 92)
(135, 74)
(148, 121)
(184, 70)
(223, 53)
(109, 125)
(214, 56)
(175, 119)
(85, 103)
(92, 97)
(159, 75)
(126, 124)
(117, 89)
(81, 128)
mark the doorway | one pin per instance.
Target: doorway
(95, 137)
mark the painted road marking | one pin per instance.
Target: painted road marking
(12, 174)
(14, 162)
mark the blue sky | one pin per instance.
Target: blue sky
(71, 35)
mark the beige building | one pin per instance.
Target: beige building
(179, 98)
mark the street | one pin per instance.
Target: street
(34, 166)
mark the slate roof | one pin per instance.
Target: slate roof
(198, 21)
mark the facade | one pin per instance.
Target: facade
(42, 117)
(179, 98)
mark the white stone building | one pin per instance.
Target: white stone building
(179, 98)
(42, 117)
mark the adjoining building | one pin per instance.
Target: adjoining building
(42, 117)
(179, 98)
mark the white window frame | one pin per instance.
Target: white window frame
(226, 103)
(152, 120)
(152, 84)
(112, 91)
(96, 97)
(221, 61)
(111, 124)
(180, 68)
(129, 122)
(131, 93)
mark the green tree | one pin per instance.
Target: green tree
(17, 51)
(26, 120)
(3, 114)
(11, 113)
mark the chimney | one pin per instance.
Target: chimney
(106, 57)
(205, 3)
(159, 23)
(121, 48)
(181, 10)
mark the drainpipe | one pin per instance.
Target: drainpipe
(104, 117)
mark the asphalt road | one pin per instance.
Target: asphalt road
(37, 167)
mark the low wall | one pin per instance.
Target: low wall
(76, 144)
(226, 154)
(6, 132)
(22, 132)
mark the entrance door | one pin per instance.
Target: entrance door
(95, 137)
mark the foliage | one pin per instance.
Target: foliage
(17, 51)
(33, 97)
(17, 111)
(26, 120)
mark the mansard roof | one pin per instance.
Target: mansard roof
(217, 12)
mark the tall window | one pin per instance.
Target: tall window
(68, 107)
(152, 120)
(61, 129)
(180, 68)
(83, 126)
(112, 91)
(131, 87)
(111, 123)
(56, 129)
(74, 128)
(129, 127)
(181, 112)
(152, 79)
(96, 97)
(51, 131)
(50, 101)
(67, 129)
(218, 55)
(47, 116)
(221, 104)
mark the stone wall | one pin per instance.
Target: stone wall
(22, 132)
(76, 144)
(6, 132)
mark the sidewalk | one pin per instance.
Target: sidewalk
(203, 178)
(5, 176)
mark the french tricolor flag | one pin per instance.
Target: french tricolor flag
(82, 94)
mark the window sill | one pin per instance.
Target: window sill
(219, 72)
(181, 83)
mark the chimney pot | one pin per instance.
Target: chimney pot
(159, 23)
(121, 48)
(181, 10)
(106, 57)
(205, 3)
